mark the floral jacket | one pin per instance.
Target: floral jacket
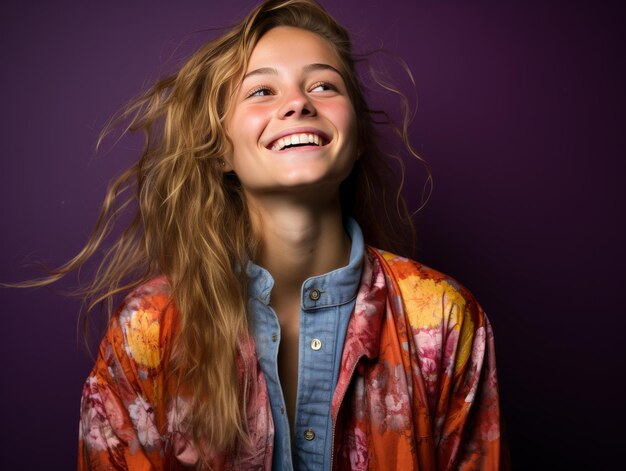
(417, 388)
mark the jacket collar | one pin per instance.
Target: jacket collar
(363, 334)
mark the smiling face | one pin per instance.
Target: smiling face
(292, 124)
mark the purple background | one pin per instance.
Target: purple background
(521, 115)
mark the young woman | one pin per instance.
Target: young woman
(262, 332)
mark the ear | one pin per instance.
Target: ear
(224, 164)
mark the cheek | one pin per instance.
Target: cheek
(248, 122)
(344, 117)
(246, 127)
(254, 121)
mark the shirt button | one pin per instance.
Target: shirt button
(314, 294)
(274, 337)
(316, 344)
(309, 434)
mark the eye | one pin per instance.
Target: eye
(260, 91)
(322, 87)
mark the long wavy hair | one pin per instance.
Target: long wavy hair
(191, 221)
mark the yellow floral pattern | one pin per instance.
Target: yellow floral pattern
(429, 300)
(417, 388)
(143, 338)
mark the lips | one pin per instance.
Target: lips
(298, 138)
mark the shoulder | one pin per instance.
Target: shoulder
(143, 325)
(123, 398)
(151, 299)
(427, 296)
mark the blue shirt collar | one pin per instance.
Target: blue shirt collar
(331, 289)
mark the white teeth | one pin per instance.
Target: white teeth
(294, 139)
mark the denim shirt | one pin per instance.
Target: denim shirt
(326, 303)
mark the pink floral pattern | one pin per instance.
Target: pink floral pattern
(417, 388)
(415, 354)
(131, 416)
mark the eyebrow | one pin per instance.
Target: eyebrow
(306, 68)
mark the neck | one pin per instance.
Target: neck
(298, 240)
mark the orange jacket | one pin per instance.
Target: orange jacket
(417, 388)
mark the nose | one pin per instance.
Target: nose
(297, 104)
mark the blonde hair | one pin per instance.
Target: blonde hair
(191, 221)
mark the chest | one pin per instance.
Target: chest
(288, 355)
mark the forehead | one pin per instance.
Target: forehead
(285, 45)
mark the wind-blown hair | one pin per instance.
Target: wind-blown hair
(191, 222)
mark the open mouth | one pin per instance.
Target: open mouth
(297, 140)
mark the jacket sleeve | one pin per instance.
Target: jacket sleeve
(467, 413)
(453, 368)
(121, 415)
